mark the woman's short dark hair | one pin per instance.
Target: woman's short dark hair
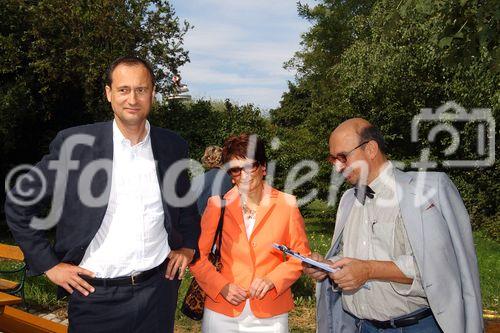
(370, 133)
(244, 146)
(130, 61)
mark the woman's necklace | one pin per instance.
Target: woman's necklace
(248, 213)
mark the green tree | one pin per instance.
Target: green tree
(385, 60)
(54, 58)
(203, 123)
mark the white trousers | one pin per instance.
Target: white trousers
(246, 322)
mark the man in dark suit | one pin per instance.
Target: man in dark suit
(123, 237)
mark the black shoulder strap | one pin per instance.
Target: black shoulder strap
(218, 233)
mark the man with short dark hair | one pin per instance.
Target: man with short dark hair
(402, 247)
(121, 246)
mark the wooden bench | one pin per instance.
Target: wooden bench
(16, 321)
(13, 253)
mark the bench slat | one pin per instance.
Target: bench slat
(7, 284)
(11, 252)
(6, 299)
(16, 321)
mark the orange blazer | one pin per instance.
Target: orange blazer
(278, 220)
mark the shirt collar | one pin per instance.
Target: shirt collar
(119, 137)
(383, 180)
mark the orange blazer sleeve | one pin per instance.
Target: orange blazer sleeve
(286, 273)
(203, 271)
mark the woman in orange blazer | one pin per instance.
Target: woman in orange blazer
(252, 291)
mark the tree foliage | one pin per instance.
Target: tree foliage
(54, 59)
(205, 123)
(378, 59)
(384, 61)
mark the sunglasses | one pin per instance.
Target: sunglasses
(342, 157)
(249, 168)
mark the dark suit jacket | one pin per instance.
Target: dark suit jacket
(78, 223)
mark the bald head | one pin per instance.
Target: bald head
(351, 127)
(361, 130)
(357, 142)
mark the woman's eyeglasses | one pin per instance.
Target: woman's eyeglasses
(249, 168)
(342, 157)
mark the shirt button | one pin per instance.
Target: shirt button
(364, 242)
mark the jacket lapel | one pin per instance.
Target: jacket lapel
(345, 208)
(267, 204)
(412, 218)
(162, 164)
(233, 207)
(103, 144)
(102, 149)
(160, 159)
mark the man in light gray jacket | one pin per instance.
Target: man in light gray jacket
(402, 245)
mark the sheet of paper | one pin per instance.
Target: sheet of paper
(309, 261)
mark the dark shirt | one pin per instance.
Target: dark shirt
(213, 182)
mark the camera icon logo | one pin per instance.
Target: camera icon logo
(444, 116)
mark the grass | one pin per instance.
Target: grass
(41, 293)
(488, 256)
(302, 318)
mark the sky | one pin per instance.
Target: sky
(237, 48)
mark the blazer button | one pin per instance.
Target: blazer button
(254, 244)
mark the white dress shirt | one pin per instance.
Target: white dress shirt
(375, 231)
(132, 237)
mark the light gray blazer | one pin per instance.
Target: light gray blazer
(440, 235)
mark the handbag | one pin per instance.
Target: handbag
(194, 301)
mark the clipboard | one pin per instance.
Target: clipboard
(309, 261)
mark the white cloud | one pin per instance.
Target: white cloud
(205, 73)
(238, 48)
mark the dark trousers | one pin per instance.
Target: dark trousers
(425, 325)
(147, 307)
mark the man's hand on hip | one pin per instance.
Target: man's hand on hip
(313, 272)
(179, 260)
(68, 276)
(353, 274)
